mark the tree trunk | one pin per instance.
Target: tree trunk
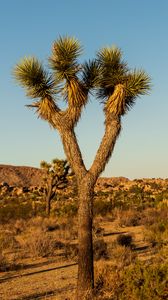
(85, 259)
(86, 181)
(48, 201)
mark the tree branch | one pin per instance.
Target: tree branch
(112, 130)
(73, 153)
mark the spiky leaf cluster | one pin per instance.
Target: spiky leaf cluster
(90, 74)
(136, 83)
(63, 60)
(44, 165)
(57, 172)
(112, 70)
(30, 74)
(108, 74)
(119, 86)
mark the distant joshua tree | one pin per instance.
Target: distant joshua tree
(110, 80)
(55, 178)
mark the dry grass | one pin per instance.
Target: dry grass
(116, 260)
(128, 217)
(37, 243)
(136, 281)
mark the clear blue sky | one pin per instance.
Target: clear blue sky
(139, 28)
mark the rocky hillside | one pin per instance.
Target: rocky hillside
(20, 176)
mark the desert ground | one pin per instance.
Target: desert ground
(38, 254)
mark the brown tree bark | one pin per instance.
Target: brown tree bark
(86, 181)
(48, 198)
(85, 283)
(48, 202)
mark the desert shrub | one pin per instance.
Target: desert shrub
(154, 215)
(7, 240)
(68, 228)
(156, 227)
(144, 281)
(67, 210)
(157, 233)
(59, 245)
(70, 251)
(102, 207)
(121, 256)
(15, 209)
(125, 240)
(46, 224)
(128, 217)
(37, 243)
(3, 262)
(19, 226)
(42, 236)
(9, 263)
(98, 231)
(100, 249)
(163, 204)
(138, 281)
(37, 221)
(106, 281)
(52, 227)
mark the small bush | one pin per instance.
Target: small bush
(71, 251)
(38, 243)
(3, 262)
(98, 231)
(138, 281)
(102, 207)
(121, 256)
(100, 249)
(128, 217)
(15, 209)
(157, 234)
(152, 216)
(19, 226)
(7, 240)
(125, 240)
(68, 210)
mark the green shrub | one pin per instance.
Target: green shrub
(157, 234)
(144, 282)
(102, 207)
(138, 281)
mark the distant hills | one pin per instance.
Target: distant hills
(24, 176)
(20, 175)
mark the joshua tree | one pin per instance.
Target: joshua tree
(110, 80)
(55, 178)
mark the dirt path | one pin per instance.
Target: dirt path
(53, 282)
